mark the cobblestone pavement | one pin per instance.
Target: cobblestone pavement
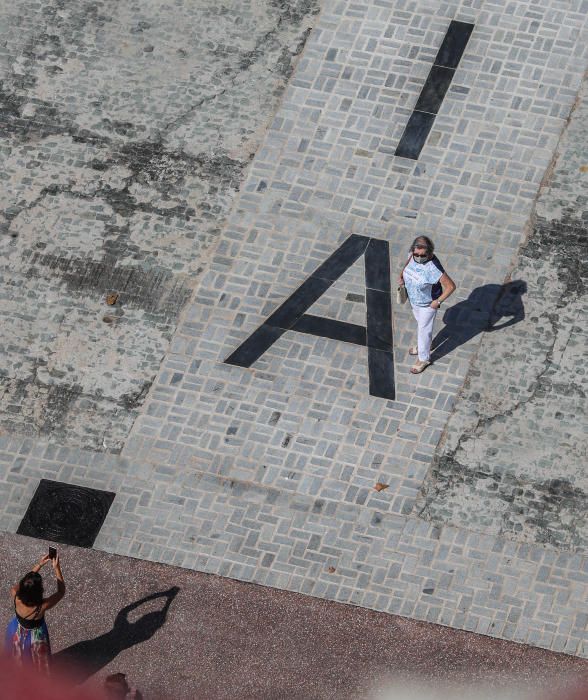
(267, 473)
(514, 455)
(125, 131)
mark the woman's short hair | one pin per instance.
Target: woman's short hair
(30, 589)
(423, 242)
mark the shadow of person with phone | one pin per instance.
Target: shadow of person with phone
(481, 312)
(84, 659)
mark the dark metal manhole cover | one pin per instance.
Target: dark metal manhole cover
(65, 513)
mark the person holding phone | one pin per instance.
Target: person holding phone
(27, 636)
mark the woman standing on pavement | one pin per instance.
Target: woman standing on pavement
(428, 286)
(27, 637)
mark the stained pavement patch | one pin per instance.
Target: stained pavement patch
(120, 186)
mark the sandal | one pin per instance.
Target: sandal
(419, 367)
(413, 350)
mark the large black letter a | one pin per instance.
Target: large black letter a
(377, 334)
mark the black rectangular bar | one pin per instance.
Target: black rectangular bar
(415, 135)
(342, 259)
(381, 372)
(377, 265)
(434, 90)
(379, 320)
(330, 328)
(254, 347)
(454, 44)
(421, 120)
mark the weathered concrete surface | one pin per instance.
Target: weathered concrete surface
(124, 133)
(205, 637)
(514, 457)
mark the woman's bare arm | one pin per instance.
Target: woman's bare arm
(52, 600)
(448, 287)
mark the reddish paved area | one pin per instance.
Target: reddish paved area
(213, 638)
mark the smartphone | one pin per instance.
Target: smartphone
(52, 552)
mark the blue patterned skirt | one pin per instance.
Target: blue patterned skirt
(29, 646)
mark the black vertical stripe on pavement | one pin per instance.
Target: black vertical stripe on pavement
(434, 90)
(454, 44)
(381, 374)
(379, 319)
(377, 265)
(414, 136)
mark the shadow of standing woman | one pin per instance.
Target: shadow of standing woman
(84, 659)
(481, 312)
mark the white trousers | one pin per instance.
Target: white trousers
(425, 318)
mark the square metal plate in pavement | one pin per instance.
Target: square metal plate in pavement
(66, 513)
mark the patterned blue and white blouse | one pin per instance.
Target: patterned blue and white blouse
(422, 281)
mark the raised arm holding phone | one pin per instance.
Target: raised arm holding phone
(27, 636)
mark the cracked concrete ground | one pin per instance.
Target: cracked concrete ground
(126, 129)
(513, 458)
